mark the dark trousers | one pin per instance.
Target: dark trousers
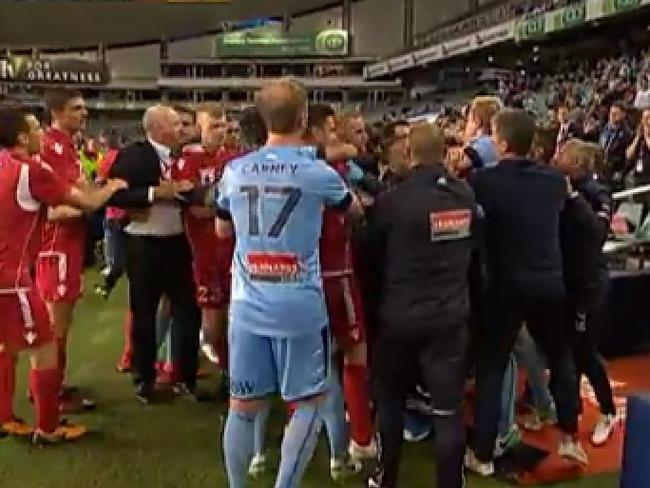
(157, 266)
(114, 251)
(437, 360)
(504, 312)
(94, 234)
(583, 322)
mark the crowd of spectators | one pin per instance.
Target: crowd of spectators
(488, 17)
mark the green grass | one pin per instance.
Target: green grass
(165, 446)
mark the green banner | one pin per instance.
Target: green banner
(611, 7)
(272, 41)
(531, 28)
(566, 18)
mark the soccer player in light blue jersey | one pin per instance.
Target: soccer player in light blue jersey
(273, 200)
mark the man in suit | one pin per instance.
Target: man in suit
(615, 138)
(159, 261)
(568, 129)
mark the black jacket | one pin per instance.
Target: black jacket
(422, 237)
(615, 141)
(573, 131)
(522, 201)
(139, 165)
(584, 228)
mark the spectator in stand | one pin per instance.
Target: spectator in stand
(615, 139)
(544, 144)
(642, 98)
(638, 160)
(568, 128)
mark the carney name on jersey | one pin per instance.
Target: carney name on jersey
(275, 198)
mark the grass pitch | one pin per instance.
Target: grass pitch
(162, 446)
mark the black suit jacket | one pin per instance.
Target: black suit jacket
(139, 165)
(573, 131)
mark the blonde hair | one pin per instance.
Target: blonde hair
(583, 157)
(484, 108)
(282, 104)
(427, 143)
(213, 109)
(343, 119)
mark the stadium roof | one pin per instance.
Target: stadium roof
(65, 24)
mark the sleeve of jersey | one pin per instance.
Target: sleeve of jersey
(221, 199)
(46, 186)
(335, 193)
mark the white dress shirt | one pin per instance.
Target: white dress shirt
(165, 217)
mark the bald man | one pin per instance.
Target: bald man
(158, 258)
(423, 232)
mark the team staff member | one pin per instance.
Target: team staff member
(59, 266)
(522, 201)
(585, 224)
(423, 231)
(26, 185)
(158, 260)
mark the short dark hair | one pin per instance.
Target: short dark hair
(57, 98)
(12, 123)
(252, 128)
(184, 109)
(620, 104)
(517, 128)
(317, 115)
(388, 133)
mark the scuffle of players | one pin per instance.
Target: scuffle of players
(317, 260)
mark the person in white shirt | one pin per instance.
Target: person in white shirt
(642, 99)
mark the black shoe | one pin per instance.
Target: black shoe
(223, 391)
(375, 480)
(3, 433)
(144, 394)
(193, 394)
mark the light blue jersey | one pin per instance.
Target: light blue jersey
(275, 198)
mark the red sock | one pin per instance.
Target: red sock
(45, 386)
(7, 386)
(357, 399)
(221, 348)
(62, 357)
(291, 409)
(128, 345)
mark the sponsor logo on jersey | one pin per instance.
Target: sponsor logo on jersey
(273, 267)
(450, 225)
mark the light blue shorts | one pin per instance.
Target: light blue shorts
(296, 367)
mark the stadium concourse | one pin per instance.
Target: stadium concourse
(289, 252)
